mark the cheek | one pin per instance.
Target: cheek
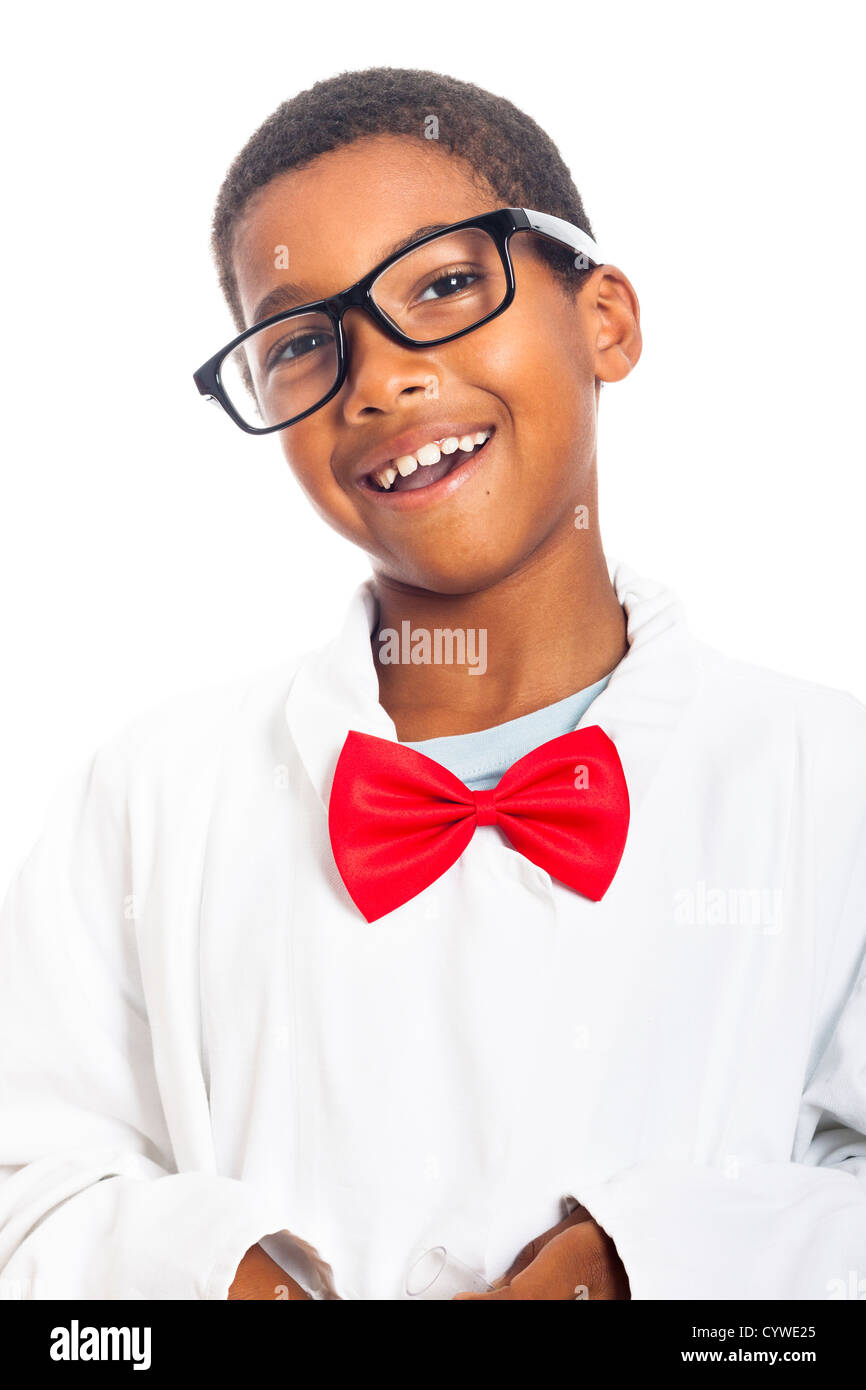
(307, 449)
(304, 459)
(562, 402)
(307, 458)
(533, 364)
(547, 383)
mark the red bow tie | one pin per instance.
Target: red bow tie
(398, 820)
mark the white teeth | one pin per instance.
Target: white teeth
(428, 454)
(385, 476)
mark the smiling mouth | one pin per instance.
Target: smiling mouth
(429, 465)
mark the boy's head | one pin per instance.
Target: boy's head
(333, 180)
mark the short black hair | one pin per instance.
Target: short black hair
(503, 148)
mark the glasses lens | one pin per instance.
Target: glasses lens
(443, 287)
(281, 371)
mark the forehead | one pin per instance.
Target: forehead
(324, 226)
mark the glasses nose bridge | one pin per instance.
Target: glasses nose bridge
(355, 297)
(360, 296)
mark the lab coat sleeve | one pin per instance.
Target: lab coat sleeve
(91, 1203)
(791, 1230)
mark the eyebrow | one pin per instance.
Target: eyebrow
(294, 296)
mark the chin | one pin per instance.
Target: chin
(456, 578)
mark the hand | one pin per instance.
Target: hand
(575, 1259)
(260, 1277)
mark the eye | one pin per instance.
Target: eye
(448, 282)
(295, 346)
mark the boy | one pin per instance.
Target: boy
(514, 919)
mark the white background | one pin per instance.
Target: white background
(148, 547)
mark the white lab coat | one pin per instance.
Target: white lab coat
(204, 1044)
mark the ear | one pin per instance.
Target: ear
(614, 312)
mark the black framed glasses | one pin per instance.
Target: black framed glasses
(443, 285)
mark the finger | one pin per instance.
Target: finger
(558, 1269)
(519, 1263)
(529, 1252)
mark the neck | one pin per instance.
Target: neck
(538, 636)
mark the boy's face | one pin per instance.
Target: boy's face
(529, 375)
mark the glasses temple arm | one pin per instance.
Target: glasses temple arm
(559, 230)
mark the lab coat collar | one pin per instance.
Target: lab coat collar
(336, 688)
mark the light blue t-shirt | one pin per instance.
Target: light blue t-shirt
(479, 759)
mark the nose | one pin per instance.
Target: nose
(380, 370)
